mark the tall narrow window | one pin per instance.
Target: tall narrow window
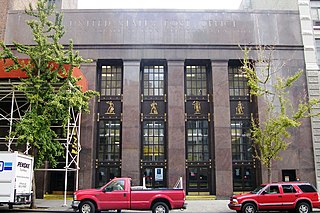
(153, 122)
(109, 140)
(241, 108)
(197, 144)
(108, 161)
(196, 80)
(153, 80)
(198, 124)
(153, 141)
(238, 84)
(240, 137)
(111, 80)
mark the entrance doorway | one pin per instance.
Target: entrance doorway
(289, 175)
(155, 177)
(57, 183)
(243, 177)
(198, 180)
(105, 174)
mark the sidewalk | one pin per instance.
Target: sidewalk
(57, 206)
(42, 206)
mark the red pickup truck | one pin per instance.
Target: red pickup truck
(297, 197)
(118, 194)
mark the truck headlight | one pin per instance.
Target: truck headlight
(74, 197)
(234, 201)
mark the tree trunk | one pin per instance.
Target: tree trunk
(33, 198)
(269, 171)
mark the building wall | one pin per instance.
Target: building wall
(21, 4)
(3, 17)
(7, 5)
(269, 5)
(69, 4)
(309, 17)
(175, 36)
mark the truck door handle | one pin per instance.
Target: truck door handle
(124, 195)
(280, 196)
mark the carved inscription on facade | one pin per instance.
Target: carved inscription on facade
(152, 25)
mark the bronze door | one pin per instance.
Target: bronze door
(198, 179)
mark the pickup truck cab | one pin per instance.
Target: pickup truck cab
(288, 196)
(118, 194)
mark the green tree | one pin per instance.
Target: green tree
(50, 87)
(272, 134)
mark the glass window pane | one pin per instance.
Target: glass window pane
(196, 80)
(109, 143)
(153, 79)
(111, 80)
(155, 137)
(197, 141)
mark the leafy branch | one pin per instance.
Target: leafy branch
(50, 87)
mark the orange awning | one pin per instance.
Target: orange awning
(14, 74)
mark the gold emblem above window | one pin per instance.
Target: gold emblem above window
(110, 110)
(153, 110)
(197, 107)
(239, 108)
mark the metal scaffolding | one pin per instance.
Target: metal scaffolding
(13, 105)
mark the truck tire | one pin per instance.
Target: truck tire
(249, 208)
(160, 207)
(303, 207)
(87, 207)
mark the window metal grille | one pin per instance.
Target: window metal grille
(111, 80)
(241, 145)
(238, 83)
(153, 81)
(109, 138)
(197, 141)
(196, 80)
(153, 144)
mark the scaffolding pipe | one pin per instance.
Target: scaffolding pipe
(74, 123)
(67, 165)
(11, 119)
(78, 150)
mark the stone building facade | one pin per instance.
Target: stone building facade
(7, 5)
(173, 102)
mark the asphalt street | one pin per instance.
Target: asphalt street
(194, 206)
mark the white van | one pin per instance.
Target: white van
(16, 172)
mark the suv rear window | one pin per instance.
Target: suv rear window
(307, 188)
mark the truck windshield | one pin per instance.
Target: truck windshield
(257, 190)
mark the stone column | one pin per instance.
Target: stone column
(222, 133)
(88, 133)
(176, 123)
(131, 121)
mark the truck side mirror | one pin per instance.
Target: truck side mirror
(107, 189)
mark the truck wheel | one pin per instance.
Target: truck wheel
(303, 208)
(249, 208)
(87, 207)
(119, 211)
(160, 207)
